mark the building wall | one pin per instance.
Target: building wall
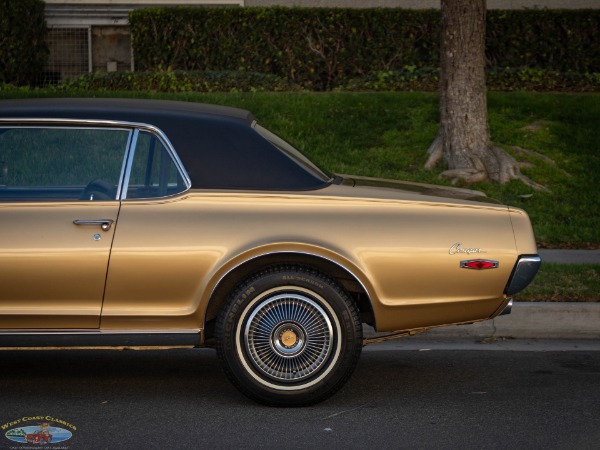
(111, 49)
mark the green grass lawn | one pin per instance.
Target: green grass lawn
(387, 135)
(564, 283)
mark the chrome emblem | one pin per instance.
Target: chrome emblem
(456, 248)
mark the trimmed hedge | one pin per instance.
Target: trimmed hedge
(23, 49)
(509, 79)
(180, 81)
(410, 79)
(560, 40)
(314, 47)
(324, 48)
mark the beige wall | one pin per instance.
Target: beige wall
(416, 4)
(111, 45)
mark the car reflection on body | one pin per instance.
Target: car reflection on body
(139, 223)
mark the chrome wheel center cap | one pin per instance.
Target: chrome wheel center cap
(288, 339)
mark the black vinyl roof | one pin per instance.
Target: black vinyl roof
(216, 144)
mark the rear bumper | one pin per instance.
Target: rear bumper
(507, 309)
(523, 273)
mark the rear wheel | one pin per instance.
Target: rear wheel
(289, 336)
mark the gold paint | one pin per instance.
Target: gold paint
(168, 256)
(289, 338)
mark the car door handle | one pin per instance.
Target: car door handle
(105, 224)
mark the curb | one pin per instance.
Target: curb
(557, 320)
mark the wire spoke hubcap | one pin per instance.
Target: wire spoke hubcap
(288, 337)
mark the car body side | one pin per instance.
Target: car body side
(174, 260)
(397, 252)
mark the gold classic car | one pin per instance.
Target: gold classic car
(143, 224)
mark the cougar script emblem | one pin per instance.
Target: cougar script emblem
(457, 249)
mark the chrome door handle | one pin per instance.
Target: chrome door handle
(105, 224)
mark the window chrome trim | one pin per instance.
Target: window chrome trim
(92, 123)
(128, 165)
(172, 153)
(124, 178)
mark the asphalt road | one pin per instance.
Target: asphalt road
(486, 399)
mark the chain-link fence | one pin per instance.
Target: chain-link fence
(70, 53)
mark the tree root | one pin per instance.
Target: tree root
(534, 153)
(544, 158)
(470, 176)
(435, 152)
(506, 168)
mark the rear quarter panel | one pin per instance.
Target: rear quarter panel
(168, 256)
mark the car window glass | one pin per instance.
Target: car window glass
(153, 172)
(292, 153)
(59, 163)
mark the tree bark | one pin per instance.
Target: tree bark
(463, 139)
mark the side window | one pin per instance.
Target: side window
(60, 163)
(153, 172)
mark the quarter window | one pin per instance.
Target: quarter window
(153, 172)
(61, 164)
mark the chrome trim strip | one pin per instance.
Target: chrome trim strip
(29, 122)
(172, 153)
(128, 165)
(97, 338)
(71, 331)
(130, 142)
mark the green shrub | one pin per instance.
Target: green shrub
(531, 79)
(410, 78)
(498, 79)
(315, 48)
(325, 48)
(23, 49)
(181, 81)
(560, 40)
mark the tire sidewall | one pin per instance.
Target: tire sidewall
(346, 343)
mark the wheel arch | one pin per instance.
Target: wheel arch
(337, 271)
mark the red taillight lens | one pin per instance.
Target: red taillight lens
(479, 264)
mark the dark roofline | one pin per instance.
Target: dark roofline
(63, 107)
(216, 144)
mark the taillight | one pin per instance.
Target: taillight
(479, 264)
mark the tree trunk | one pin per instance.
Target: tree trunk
(464, 137)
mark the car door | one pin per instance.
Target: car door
(155, 266)
(59, 184)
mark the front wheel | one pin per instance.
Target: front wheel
(289, 336)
